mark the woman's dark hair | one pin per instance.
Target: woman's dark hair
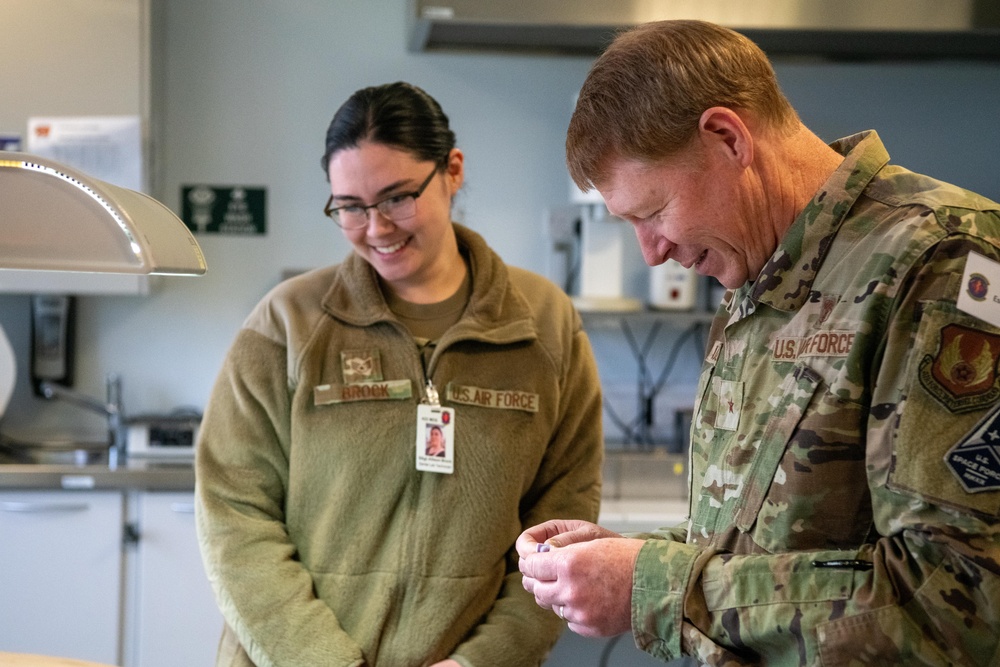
(399, 115)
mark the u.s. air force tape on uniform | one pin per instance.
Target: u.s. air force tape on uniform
(503, 399)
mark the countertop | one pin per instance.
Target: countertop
(640, 515)
(26, 660)
(134, 474)
(631, 502)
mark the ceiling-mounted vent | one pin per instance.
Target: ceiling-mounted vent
(854, 29)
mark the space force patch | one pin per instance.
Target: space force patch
(962, 373)
(975, 461)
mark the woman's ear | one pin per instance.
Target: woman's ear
(455, 170)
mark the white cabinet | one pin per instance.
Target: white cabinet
(60, 573)
(68, 587)
(177, 620)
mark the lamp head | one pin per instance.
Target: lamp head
(56, 218)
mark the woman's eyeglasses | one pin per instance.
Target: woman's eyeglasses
(394, 208)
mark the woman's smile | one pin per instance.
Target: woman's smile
(390, 249)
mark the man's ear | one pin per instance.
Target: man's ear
(723, 130)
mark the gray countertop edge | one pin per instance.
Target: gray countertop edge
(142, 476)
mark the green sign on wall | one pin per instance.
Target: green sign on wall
(240, 210)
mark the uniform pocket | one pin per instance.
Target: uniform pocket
(789, 402)
(956, 385)
(883, 636)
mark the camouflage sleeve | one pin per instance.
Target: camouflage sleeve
(674, 533)
(925, 588)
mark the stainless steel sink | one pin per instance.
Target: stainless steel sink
(54, 452)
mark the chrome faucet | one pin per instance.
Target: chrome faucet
(111, 408)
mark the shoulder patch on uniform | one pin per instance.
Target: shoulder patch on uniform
(975, 461)
(962, 373)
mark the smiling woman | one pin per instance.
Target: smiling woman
(410, 242)
(396, 421)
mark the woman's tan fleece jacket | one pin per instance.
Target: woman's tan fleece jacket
(323, 543)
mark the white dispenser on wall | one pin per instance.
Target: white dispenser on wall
(601, 259)
(672, 287)
(602, 264)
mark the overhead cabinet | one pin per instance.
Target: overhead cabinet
(73, 59)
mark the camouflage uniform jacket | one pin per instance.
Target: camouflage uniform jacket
(843, 502)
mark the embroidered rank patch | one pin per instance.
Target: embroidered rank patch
(713, 355)
(493, 398)
(388, 390)
(975, 461)
(729, 397)
(361, 366)
(962, 374)
(827, 302)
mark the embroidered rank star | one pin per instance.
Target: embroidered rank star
(975, 461)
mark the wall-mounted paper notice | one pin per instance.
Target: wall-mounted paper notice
(106, 147)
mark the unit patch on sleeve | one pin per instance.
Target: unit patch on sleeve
(975, 461)
(962, 373)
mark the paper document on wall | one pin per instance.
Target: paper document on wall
(108, 148)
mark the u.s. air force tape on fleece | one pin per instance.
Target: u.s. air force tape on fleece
(386, 390)
(504, 399)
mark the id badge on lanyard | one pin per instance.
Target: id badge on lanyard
(435, 444)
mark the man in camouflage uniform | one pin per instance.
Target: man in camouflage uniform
(845, 450)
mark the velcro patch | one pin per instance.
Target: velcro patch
(818, 344)
(962, 374)
(493, 398)
(975, 460)
(387, 390)
(361, 366)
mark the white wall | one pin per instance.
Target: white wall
(243, 91)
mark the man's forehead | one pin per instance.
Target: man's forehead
(627, 182)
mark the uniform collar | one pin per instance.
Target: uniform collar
(496, 312)
(785, 281)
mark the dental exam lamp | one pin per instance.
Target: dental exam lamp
(56, 218)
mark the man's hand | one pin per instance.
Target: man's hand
(559, 533)
(584, 576)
